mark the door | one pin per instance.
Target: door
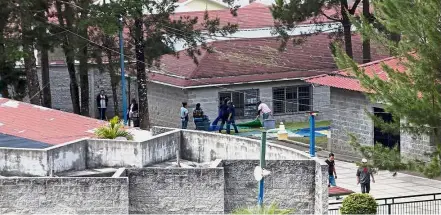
(384, 138)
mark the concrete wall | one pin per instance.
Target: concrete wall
(348, 116)
(64, 195)
(321, 196)
(113, 153)
(206, 146)
(161, 148)
(291, 185)
(209, 99)
(69, 156)
(22, 162)
(176, 191)
(159, 130)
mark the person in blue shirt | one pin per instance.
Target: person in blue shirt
(223, 112)
(231, 115)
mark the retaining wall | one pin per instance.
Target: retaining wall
(22, 162)
(64, 195)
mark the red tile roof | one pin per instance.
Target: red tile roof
(253, 60)
(344, 80)
(42, 124)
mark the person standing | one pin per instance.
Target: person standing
(231, 115)
(220, 113)
(133, 113)
(224, 114)
(364, 174)
(102, 101)
(331, 170)
(184, 115)
(198, 115)
(263, 109)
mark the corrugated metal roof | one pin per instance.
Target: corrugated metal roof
(19, 142)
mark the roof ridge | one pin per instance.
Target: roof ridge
(378, 61)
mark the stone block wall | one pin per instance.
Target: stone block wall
(176, 191)
(348, 116)
(291, 185)
(203, 146)
(416, 147)
(63, 196)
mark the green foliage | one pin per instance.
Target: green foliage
(113, 130)
(273, 208)
(359, 203)
(411, 93)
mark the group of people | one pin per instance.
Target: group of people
(363, 174)
(226, 114)
(132, 113)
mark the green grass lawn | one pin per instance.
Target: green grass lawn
(299, 125)
(319, 141)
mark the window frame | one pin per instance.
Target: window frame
(243, 105)
(296, 99)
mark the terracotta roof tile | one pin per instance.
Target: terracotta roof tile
(42, 124)
(344, 80)
(245, 60)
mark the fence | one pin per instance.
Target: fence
(414, 204)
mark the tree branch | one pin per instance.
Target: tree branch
(331, 18)
(354, 6)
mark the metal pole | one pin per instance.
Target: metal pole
(123, 78)
(312, 135)
(262, 165)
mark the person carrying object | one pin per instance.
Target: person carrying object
(264, 110)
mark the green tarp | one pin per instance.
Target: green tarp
(252, 124)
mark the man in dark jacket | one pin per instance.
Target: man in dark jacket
(102, 101)
(231, 115)
(223, 113)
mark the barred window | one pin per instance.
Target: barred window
(292, 99)
(245, 101)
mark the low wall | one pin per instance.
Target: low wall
(23, 162)
(159, 130)
(176, 190)
(206, 146)
(64, 195)
(68, 156)
(113, 153)
(291, 184)
(161, 148)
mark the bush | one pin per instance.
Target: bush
(272, 209)
(359, 203)
(113, 130)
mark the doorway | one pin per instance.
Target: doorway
(385, 138)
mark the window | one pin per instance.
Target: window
(245, 101)
(292, 99)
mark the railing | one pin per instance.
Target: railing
(414, 204)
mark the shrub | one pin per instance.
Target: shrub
(113, 130)
(272, 209)
(359, 203)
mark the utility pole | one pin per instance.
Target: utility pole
(123, 78)
(262, 165)
(312, 115)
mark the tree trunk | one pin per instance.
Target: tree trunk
(47, 97)
(30, 65)
(84, 75)
(366, 40)
(69, 53)
(346, 28)
(83, 58)
(113, 82)
(144, 121)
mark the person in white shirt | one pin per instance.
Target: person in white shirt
(184, 115)
(102, 101)
(263, 110)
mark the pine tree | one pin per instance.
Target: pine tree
(414, 95)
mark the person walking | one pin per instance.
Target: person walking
(220, 109)
(331, 170)
(184, 115)
(224, 114)
(263, 109)
(133, 114)
(231, 115)
(364, 174)
(102, 101)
